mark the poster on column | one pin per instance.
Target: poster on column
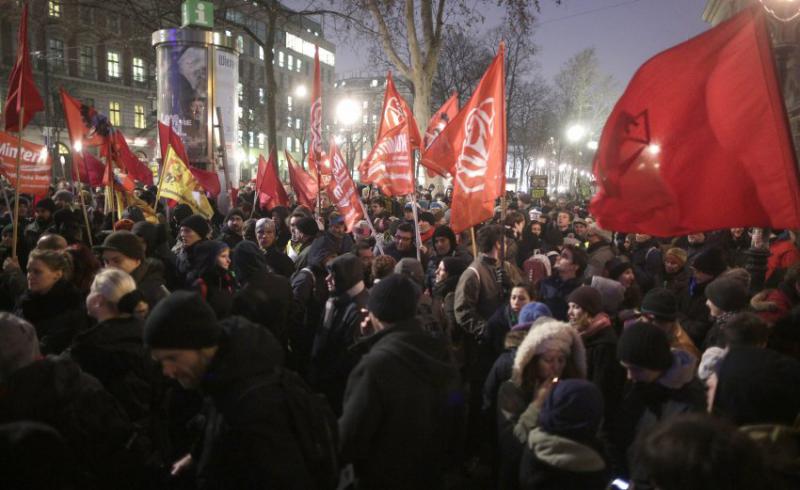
(226, 81)
(36, 166)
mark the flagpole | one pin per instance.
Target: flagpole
(474, 245)
(416, 224)
(17, 187)
(372, 228)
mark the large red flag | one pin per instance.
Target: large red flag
(342, 190)
(699, 140)
(304, 185)
(472, 147)
(208, 180)
(129, 162)
(22, 90)
(269, 187)
(86, 126)
(315, 126)
(439, 121)
(89, 169)
(389, 164)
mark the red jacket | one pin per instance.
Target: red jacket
(783, 255)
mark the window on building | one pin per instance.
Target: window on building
(289, 143)
(297, 144)
(240, 44)
(239, 111)
(299, 64)
(291, 62)
(280, 59)
(261, 53)
(112, 64)
(288, 121)
(251, 114)
(139, 121)
(260, 95)
(55, 52)
(54, 8)
(251, 141)
(86, 61)
(114, 113)
(262, 138)
(139, 71)
(240, 92)
(298, 123)
(289, 103)
(240, 137)
(373, 83)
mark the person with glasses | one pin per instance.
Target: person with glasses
(403, 246)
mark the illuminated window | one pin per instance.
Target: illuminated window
(289, 103)
(114, 113)
(261, 140)
(138, 70)
(299, 64)
(289, 143)
(112, 64)
(54, 9)
(280, 59)
(261, 95)
(291, 62)
(138, 117)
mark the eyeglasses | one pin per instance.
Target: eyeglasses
(401, 238)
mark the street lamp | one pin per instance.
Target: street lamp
(575, 133)
(300, 91)
(348, 112)
(592, 145)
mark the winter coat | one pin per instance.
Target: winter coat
(397, 409)
(643, 405)
(58, 315)
(433, 264)
(248, 441)
(677, 282)
(554, 291)
(215, 284)
(279, 261)
(716, 334)
(331, 356)
(693, 313)
(783, 254)
(498, 326)
(391, 250)
(599, 254)
(551, 462)
(230, 238)
(149, 277)
(772, 305)
(602, 366)
(56, 392)
(647, 261)
(12, 285)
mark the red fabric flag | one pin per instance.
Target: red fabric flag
(472, 147)
(129, 162)
(35, 166)
(89, 170)
(439, 121)
(304, 185)
(699, 140)
(86, 126)
(389, 164)
(208, 179)
(22, 90)
(269, 187)
(315, 126)
(342, 190)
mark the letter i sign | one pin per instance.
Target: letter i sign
(195, 13)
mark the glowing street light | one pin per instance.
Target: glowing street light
(592, 145)
(78, 146)
(348, 112)
(575, 133)
(301, 91)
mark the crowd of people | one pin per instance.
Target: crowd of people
(272, 348)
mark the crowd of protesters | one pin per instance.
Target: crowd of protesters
(270, 348)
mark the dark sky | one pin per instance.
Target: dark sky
(625, 33)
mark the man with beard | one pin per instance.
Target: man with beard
(233, 230)
(444, 245)
(42, 222)
(337, 229)
(403, 245)
(304, 230)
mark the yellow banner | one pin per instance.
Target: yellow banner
(178, 184)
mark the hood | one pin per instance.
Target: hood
(550, 332)
(321, 248)
(412, 269)
(612, 293)
(124, 333)
(422, 354)
(246, 351)
(204, 256)
(684, 366)
(152, 234)
(564, 454)
(347, 272)
(248, 260)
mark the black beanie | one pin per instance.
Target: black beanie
(588, 298)
(47, 204)
(646, 346)
(661, 303)
(198, 224)
(182, 320)
(446, 232)
(728, 294)
(616, 267)
(710, 261)
(307, 226)
(234, 212)
(394, 298)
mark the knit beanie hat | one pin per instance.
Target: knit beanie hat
(646, 346)
(64, 195)
(411, 268)
(47, 204)
(530, 313)
(394, 298)
(182, 320)
(588, 298)
(678, 254)
(728, 294)
(661, 303)
(573, 409)
(446, 232)
(124, 242)
(235, 212)
(19, 345)
(616, 267)
(307, 226)
(427, 216)
(198, 224)
(710, 261)
(604, 234)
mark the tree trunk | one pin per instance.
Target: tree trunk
(269, 73)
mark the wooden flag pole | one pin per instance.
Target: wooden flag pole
(85, 214)
(15, 232)
(474, 245)
(416, 224)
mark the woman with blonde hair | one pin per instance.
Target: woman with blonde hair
(112, 351)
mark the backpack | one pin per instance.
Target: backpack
(313, 424)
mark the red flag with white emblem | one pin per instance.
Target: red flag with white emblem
(342, 190)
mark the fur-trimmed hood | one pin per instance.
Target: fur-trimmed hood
(560, 335)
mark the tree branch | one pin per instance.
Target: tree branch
(386, 39)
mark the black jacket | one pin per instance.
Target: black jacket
(58, 315)
(397, 408)
(553, 292)
(149, 277)
(279, 261)
(248, 442)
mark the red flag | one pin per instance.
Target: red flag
(22, 90)
(129, 162)
(473, 148)
(304, 185)
(389, 164)
(207, 179)
(86, 126)
(269, 187)
(342, 191)
(89, 170)
(699, 140)
(315, 126)
(439, 121)
(35, 169)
